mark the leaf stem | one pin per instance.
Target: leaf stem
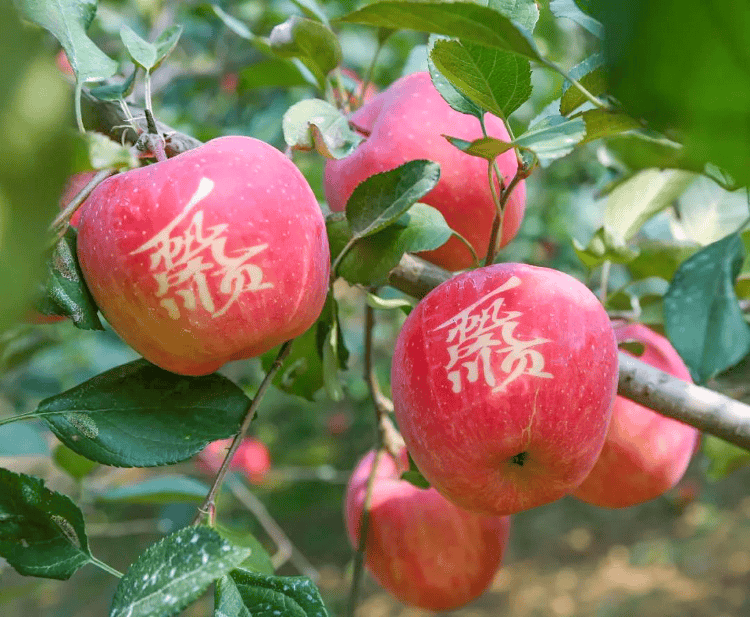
(340, 257)
(604, 281)
(367, 78)
(77, 105)
(208, 503)
(105, 567)
(581, 88)
(60, 224)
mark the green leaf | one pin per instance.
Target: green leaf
(451, 95)
(523, 12)
(647, 193)
(382, 199)
(421, 228)
(313, 10)
(115, 92)
(41, 532)
(284, 596)
(603, 123)
(104, 152)
(702, 317)
(682, 65)
(641, 152)
(723, 457)
(163, 490)
(150, 55)
(463, 20)
(591, 76)
(414, 476)
(270, 73)
(258, 561)
(234, 24)
(65, 287)
(659, 258)
(166, 42)
(227, 599)
(138, 415)
(67, 21)
(498, 81)
(570, 9)
(604, 246)
(35, 159)
(311, 41)
(75, 465)
(551, 138)
(174, 572)
(334, 137)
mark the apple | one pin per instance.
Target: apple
(252, 458)
(645, 454)
(75, 185)
(503, 380)
(423, 549)
(217, 254)
(407, 122)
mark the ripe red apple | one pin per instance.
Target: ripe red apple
(406, 122)
(645, 454)
(217, 254)
(423, 549)
(503, 380)
(252, 458)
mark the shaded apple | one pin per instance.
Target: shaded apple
(423, 549)
(217, 254)
(252, 458)
(407, 122)
(645, 454)
(503, 380)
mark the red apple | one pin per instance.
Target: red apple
(423, 549)
(406, 122)
(645, 454)
(503, 380)
(63, 64)
(252, 458)
(217, 254)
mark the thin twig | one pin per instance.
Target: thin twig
(205, 508)
(581, 88)
(60, 224)
(286, 551)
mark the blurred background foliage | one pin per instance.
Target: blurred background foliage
(687, 553)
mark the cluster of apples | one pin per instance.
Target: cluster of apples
(504, 378)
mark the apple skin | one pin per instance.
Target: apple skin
(217, 254)
(645, 454)
(406, 122)
(424, 550)
(503, 380)
(252, 458)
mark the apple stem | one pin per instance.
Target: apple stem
(208, 503)
(359, 556)
(367, 79)
(604, 281)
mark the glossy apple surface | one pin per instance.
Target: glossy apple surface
(503, 380)
(406, 122)
(645, 454)
(217, 254)
(423, 549)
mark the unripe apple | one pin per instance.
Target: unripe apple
(407, 122)
(645, 454)
(217, 254)
(423, 549)
(503, 380)
(252, 458)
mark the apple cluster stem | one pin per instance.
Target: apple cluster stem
(208, 503)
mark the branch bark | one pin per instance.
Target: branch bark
(705, 409)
